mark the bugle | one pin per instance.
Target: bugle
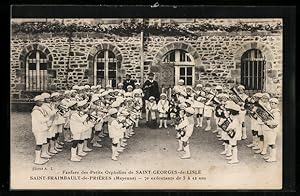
(62, 109)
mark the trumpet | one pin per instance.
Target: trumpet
(236, 98)
(62, 109)
(264, 115)
(213, 99)
(93, 118)
(224, 126)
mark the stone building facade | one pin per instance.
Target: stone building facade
(213, 57)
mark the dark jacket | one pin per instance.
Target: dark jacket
(127, 83)
(151, 89)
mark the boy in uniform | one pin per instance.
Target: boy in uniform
(234, 127)
(77, 128)
(152, 108)
(208, 109)
(274, 128)
(199, 104)
(254, 121)
(243, 96)
(39, 129)
(115, 132)
(264, 101)
(51, 112)
(186, 128)
(163, 108)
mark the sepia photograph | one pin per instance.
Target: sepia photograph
(146, 103)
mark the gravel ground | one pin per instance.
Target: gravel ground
(148, 149)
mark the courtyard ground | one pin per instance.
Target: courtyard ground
(148, 149)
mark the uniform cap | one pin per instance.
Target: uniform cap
(120, 84)
(104, 93)
(112, 111)
(258, 95)
(120, 99)
(207, 88)
(95, 98)
(182, 105)
(67, 92)
(274, 100)
(81, 88)
(241, 87)
(115, 104)
(151, 97)
(87, 86)
(199, 85)
(45, 95)
(93, 87)
(190, 110)
(38, 98)
(163, 94)
(181, 80)
(55, 94)
(81, 103)
(129, 86)
(75, 87)
(266, 95)
(101, 91)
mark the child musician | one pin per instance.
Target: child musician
(186, 127)
(221, 114)
(208, 109)
(115, 132)
(253, 121)
(51, 112)
(264, 102)
(152, 108)
(274, 128)
(234, 130)
(138, 104)
(199, 104)
(59, 121)
(243, 96)
(39, 129)
(163, 108)
(77, 128)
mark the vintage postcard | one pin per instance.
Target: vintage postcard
(146, 103)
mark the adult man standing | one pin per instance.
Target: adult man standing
(150, 88)
(128, 82)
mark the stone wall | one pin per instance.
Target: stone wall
(217, 56)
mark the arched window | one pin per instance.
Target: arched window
(36, 71)
(105, 68)
(253, 70)
(183, 64)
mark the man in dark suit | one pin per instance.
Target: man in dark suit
(128, 82)
(150, 88)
